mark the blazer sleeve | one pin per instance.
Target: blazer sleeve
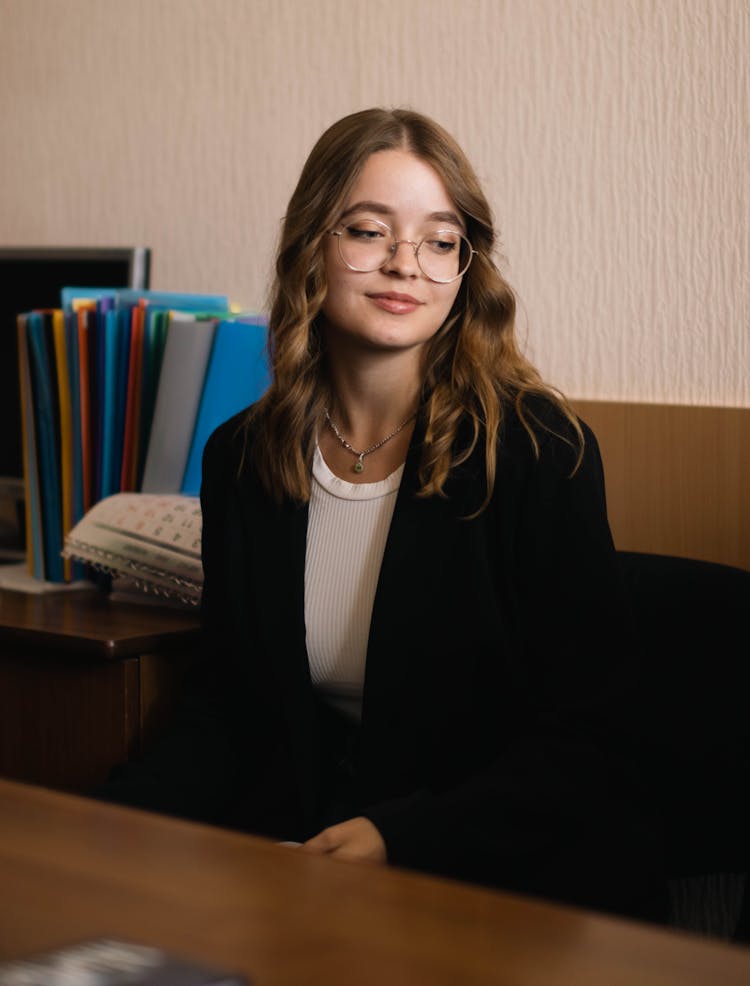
(558, 811)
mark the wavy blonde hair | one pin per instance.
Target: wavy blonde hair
(473, 367)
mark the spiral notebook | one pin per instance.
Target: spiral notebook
(152, 540)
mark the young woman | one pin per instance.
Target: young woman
(417, 648)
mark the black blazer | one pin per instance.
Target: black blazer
(495, 737)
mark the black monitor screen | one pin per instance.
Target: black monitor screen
(33, 278)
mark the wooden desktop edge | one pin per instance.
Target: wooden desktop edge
(91, 626)
(73, 868)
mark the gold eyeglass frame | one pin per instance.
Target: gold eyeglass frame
(396, 244)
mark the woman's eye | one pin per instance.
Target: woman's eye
(364, 232)
(443, 245)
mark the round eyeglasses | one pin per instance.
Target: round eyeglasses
(366, 245)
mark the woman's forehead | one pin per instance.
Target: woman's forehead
(398, 184)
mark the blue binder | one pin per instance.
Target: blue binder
(237, 375)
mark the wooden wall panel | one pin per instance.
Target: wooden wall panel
(678, 478)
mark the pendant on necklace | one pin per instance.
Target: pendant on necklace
(359, 465)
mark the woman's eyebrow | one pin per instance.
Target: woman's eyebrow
(384, 210)
(445, 217)
(368, 206)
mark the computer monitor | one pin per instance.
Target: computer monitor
(31, 278)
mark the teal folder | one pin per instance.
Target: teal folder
(127, 297)
(43, 374)
(33, 501)
(74, 376)
(122, 366)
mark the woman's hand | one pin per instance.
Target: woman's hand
(356, 838)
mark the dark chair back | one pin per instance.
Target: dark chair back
(693, 620)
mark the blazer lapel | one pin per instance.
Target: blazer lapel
(413, 562)
(276, 536)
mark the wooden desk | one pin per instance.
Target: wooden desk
(84, 682)
(72, 869)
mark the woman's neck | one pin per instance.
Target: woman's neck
(371, 399)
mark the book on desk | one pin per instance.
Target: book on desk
(112, 962)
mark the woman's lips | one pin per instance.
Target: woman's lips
(395, 303)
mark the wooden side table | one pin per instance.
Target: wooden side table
(85, 682)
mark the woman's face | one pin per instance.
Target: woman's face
(395, 307)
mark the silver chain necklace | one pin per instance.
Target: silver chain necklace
(359, 465)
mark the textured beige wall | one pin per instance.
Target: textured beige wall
(611, 135)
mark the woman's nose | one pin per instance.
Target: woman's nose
(403, 259)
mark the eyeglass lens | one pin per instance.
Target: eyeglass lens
(366, 245)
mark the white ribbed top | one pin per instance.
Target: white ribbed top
(346, 534)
